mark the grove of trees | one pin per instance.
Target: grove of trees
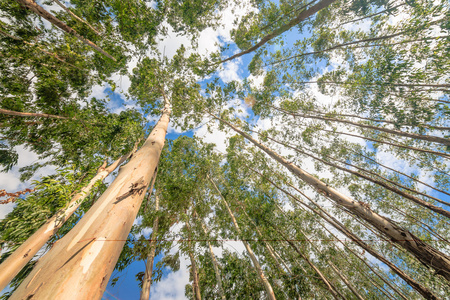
(335, 173)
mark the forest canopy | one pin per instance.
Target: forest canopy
(224, 149)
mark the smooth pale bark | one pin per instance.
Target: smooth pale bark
(303, 15)
(382, 183)
(75, 16)
(33, 6)
(16, 261)
(80, 264)
(26, 114)
(215, 264)
(262, 277)
(425, 253)
(147, 280)
(429, 138)
(196, 283)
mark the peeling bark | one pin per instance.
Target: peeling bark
(16, 261)
(80, 264)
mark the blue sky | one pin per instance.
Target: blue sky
(172, 284)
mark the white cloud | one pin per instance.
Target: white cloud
(231, 70)
(172, 287)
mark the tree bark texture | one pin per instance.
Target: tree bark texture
(16, 261)
(80, 264)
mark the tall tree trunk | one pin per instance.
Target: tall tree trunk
(303, 15)
(80, 264)
(16, 261)
(386, 281)
(425, 253)
(215, 264)
(382, 182)
(33, 6)
(339, 226)
(196, 283)
(266, 283)
(75, 16)
(429, 138)
(390, 144)
(147, 280)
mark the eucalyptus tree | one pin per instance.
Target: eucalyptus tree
(387, 99)
(21, 256)
(121, 200)
(422, 286)
(50, 197)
